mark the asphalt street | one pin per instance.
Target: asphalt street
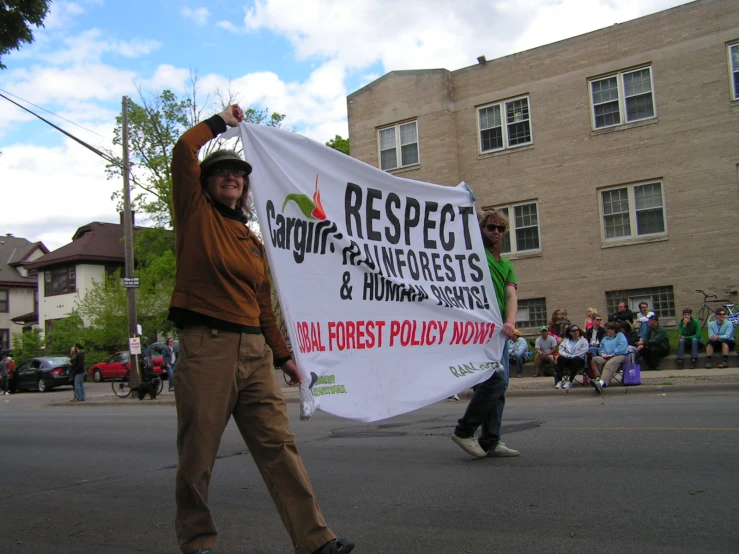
(642, 473)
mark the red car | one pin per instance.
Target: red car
(117, 366)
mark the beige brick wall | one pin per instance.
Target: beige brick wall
(692, 147)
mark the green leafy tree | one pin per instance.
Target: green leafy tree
(28, 344)
(154, 126)
(65, 333)
(16, 19)
(339, 143)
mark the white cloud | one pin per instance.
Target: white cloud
(228, 26)
(92, 44)
(199, 15)
(61, 13)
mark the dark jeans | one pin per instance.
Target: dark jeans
(652, 355)
(486, 408)
(574, 365)
(693, 344)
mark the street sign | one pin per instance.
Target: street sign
(131, 282)
(134, 345)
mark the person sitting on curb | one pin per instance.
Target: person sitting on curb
(641, 320)
(655, 346)
(611, 355)
(689, 334)
(546, 346)
(594, 335)
(720, 336)
(518, 352)
(623, 313)
(572, 353)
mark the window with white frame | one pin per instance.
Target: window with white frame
(398, 145)
(532, 312)
(523, 235)
(660, 300)
(633, 211)
(504, 125)
(625, 97)
(734, 67)
(60, 280)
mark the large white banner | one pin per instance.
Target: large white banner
(383, 281)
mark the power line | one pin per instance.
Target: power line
(70, 135)
(52, 113)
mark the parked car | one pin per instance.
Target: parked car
(117, 366)
(42, 374)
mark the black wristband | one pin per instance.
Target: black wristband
(216, 125)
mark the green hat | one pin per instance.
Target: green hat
(144, 338)
(543, 328)
(222, 156)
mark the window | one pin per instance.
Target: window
(734, 67)
(660, 299)
(622, 98)
(514, 116)
(399, 143)
(532, 312)
(4, 301)
(633, 211)
(524, 228)
(5, 339)
(60, 280)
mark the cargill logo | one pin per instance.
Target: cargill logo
(311, 208)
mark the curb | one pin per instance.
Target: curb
(294, 397)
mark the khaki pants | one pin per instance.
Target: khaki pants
(608, 368)
(220, 374)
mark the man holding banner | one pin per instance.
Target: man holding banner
(487, 404)
(228, 347)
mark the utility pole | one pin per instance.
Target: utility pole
(128, 246)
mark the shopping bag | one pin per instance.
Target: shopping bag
(632, 372)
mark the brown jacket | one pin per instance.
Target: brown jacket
(221, 264)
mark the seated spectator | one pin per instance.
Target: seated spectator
(572, 353)
(559, 324)
(611, 355)
(655, 346)
(720, 336)
(545, 346)
(632, 336)
(623, 313)
(518, 352)
(641, 322)
(594, 336)
(689, 335)
(590, 315)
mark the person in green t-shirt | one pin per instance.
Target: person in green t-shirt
(486, 406)
(655, 346)
(689, 334)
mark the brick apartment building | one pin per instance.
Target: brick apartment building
(614, 153)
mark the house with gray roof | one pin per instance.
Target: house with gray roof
(18, 286)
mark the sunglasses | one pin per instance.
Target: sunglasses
(223, 171)
(574, 330)
(598, 319)
(720, 313)
(500, 228)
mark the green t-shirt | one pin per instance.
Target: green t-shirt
(502, 273)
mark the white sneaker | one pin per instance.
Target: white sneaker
(567, 385)
(502, 451)
(470, 445)
(558, 385)
(453, 398)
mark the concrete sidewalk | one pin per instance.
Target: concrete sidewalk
(653, 382)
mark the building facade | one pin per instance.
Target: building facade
(18, 286)
(615, 155)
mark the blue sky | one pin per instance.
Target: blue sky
(297, 57)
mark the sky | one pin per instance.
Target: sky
(300, 58)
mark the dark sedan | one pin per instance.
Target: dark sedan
(42, 374)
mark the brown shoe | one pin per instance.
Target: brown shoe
(679, 364)
(692, 363)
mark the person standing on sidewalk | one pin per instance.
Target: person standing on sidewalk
(4, 373)
(77, 370)
(229, 347)
(486, 406)
(168, 360)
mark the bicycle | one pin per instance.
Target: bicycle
(707, 314)
(122, 388)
